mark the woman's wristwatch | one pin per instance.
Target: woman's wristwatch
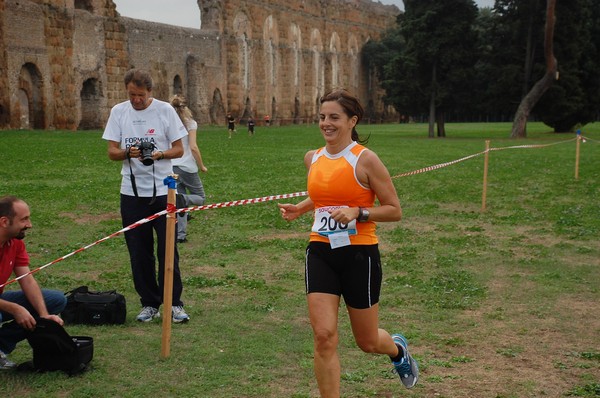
(363, 215)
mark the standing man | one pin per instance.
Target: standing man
(144, 134)
(20, 307)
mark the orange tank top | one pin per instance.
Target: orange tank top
(332, 181)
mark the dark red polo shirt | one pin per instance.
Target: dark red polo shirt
(12, 254)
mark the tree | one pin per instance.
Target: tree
(536, 92)
(573, 99)
(380, 56)
(513, 47)
(434, 65)
(516, 56)
(430, 59)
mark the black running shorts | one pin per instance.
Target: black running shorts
(353, 272)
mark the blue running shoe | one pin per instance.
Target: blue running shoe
(147, 314)
(407, 368)
(179, 315)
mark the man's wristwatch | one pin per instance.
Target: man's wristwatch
(363, 215)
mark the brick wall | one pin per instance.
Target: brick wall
(65, 60)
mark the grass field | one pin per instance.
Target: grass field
(500, 303)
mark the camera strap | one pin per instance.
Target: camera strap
(134, 186)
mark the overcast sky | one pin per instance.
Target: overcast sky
(186, 12)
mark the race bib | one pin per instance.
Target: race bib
(325, 225)
(339, 239)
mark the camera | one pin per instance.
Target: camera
(146, 148)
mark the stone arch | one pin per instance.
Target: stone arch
(334, 61)
(242, 31)
(91, 100)
(247, 111)
(23, 109)
(217, 109)
(4, 116)
(297, 118)
(177, 85)
(273, 110)
(31, 84)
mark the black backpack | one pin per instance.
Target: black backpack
(54, 349)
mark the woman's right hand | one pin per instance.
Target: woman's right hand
(288, 211)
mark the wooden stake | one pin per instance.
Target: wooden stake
(577, 154)
(485, 175)
(169, 267)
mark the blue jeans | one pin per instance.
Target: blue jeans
(10, 332)
(188, 182)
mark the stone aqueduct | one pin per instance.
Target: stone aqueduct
(62, 61)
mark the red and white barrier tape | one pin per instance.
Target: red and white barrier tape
(437, 166)
(441, 165)
(584, 139)
(171, 209)
(129, 227)
(242, 202)
(533, 146)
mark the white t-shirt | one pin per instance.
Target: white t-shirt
(187, 162)
(159, 124)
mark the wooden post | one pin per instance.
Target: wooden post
(485, 175)
(165, 350)
(577, 154)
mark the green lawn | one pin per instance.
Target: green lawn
(502, 303)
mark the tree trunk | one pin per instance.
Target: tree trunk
(529, 52)
(432, 101)
(519, 128)
(441, 125)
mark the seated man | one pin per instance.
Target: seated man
(19, 308)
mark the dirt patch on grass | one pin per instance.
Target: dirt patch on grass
(87, 219)
(518, 343)
(282, 236)
(518, 355)
(536, 332)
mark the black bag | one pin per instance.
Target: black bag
(94, 308)
(54, 349)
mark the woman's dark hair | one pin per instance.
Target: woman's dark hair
(351, 107)
(140, 78)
